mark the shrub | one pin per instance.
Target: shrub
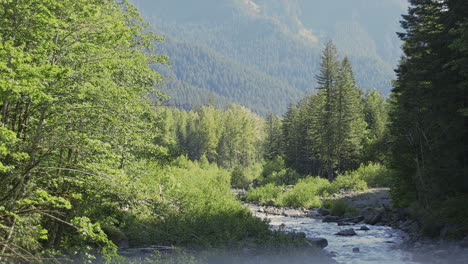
(265, 194)
(193, 205)
(347, 182)
(374, 174)
(283, 177)
(243, 177)
(305, 193)
(272, 166)
(340, 208)
(447, 218)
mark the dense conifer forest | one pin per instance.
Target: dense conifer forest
(92, 158)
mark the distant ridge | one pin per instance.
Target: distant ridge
(264, 54)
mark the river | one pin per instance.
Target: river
(380, 244)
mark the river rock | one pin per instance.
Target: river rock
(323, 211)
(364, 228)
(293, 213)
(346, 232)
(356, 219)
(356, 250)
(330, 218)
(318, 242)
(344, 224)
(300, 234)
(464, 242)
(373, 219)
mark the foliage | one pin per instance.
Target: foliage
(232, 137)
(340, 208)
(306, 193)
(275, 171)
(244, 177)
(273, 141)
(265, 194)
(210, 58)
(448, 219)
(428, 128)
(283, 177)
(376, 109)
(348, 182)
(196, 209)
(74, 114)
(327, 133)
(374, 174)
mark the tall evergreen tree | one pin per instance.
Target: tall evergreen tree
(428, 125)
(273, 143)
(327, 85)
(350, 124)
(291, 136)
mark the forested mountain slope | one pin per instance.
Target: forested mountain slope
(278, 38)
(199, 75)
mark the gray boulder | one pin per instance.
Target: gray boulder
(346, 232)
(464, 242)
(373, 219)
(330, 219)
(324, 211)
(318, 242)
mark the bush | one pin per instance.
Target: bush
(374, 174)
(448, 218)
(243, 177)
(265, 194)
(272, 166)
(192, 206)
(283, 177)
(340, 208)
(306, 193)
(347, 182)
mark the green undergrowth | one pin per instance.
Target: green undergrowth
(195, 208)
(340, 208)
(310, 191)
(446, 220)
(273, 247)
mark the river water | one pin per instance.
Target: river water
(380, 244)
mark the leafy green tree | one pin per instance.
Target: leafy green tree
(376, 110)
(75, 75)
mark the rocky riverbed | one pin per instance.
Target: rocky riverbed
(378, 235)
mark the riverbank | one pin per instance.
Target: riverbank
(374, 207)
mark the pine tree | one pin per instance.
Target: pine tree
(291, 136)
(350, 126)
(327, 85)
(273, 143)
(428, 126)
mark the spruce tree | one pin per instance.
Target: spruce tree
(327, 85)
(428, 126)
(273, 143)
(350, 124)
